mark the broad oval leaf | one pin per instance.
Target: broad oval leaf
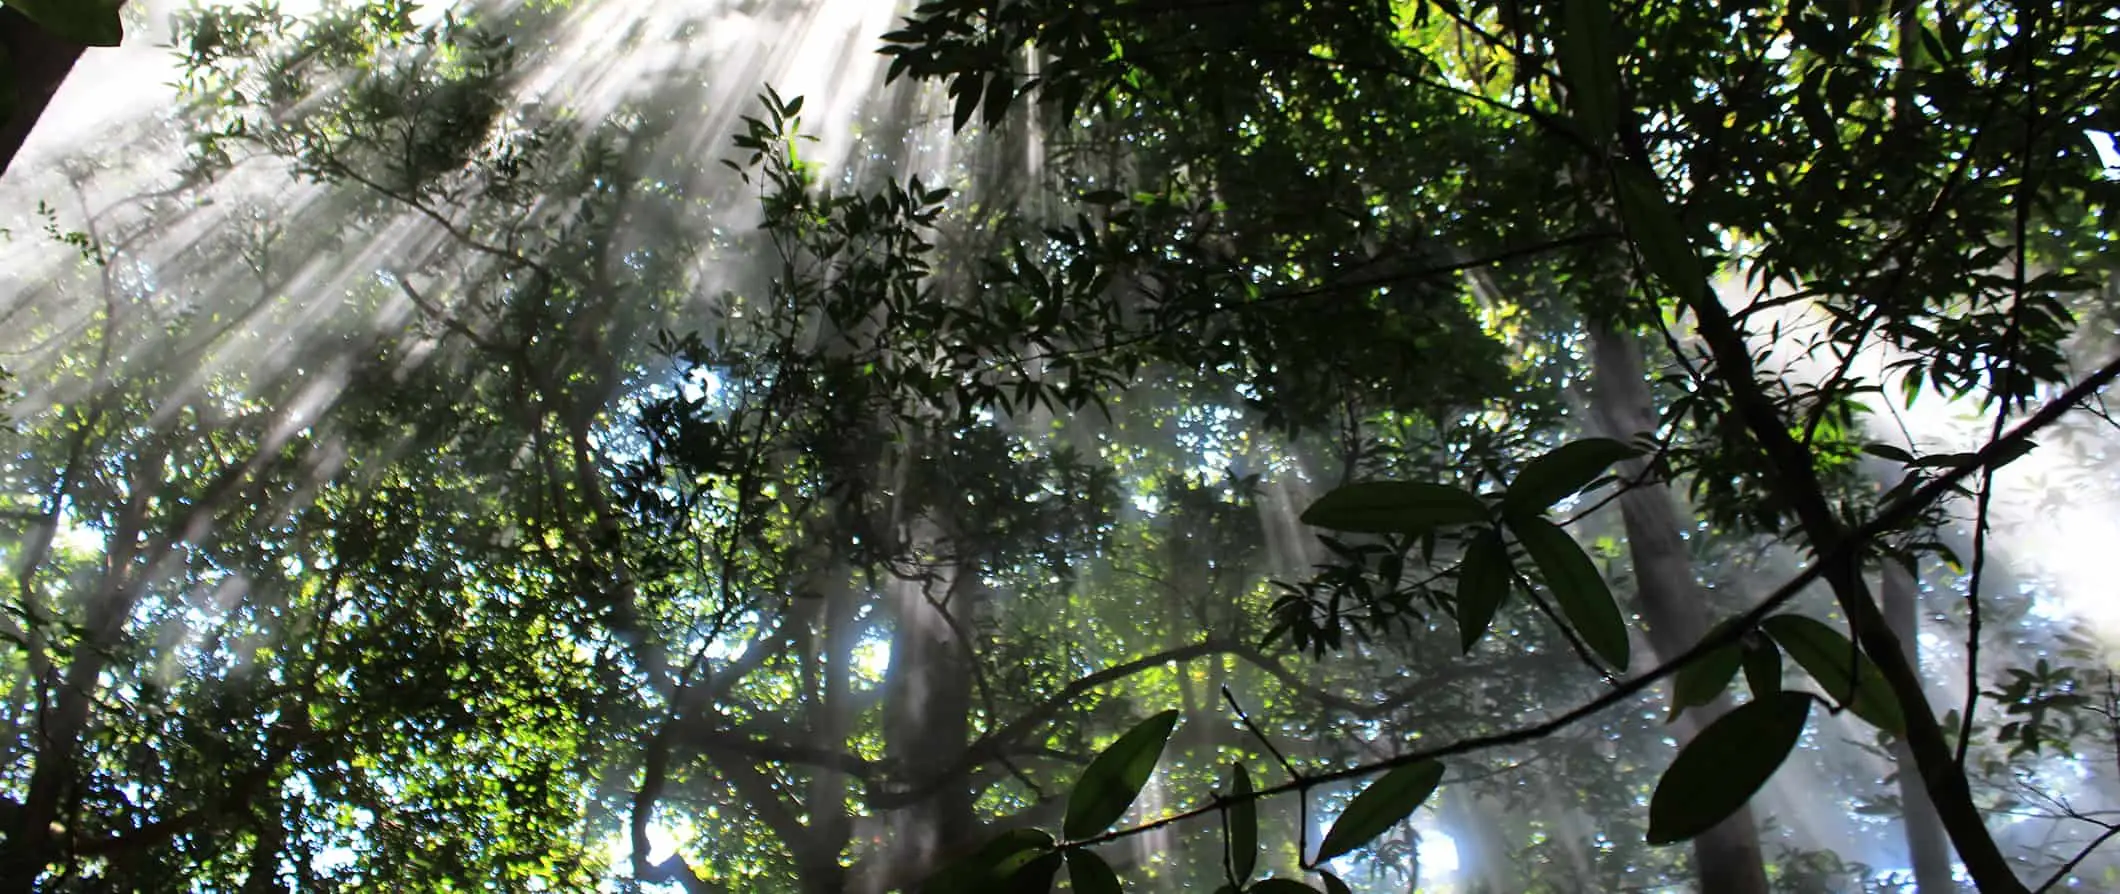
(94, 23)
(1243, 824)
(1561, 472)
(1380, 806)
(1483, 584)
(1087, 873)
(999, 859)
(1720, 770)
(1281, 886)
(1333, 885)
(1654, 227)
(1115, 777)
(1584, 598)
(1703, 680)
(1394, 507)
(1035, 876)
(1826, 656)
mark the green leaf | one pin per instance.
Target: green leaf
(1762, 667)
(1561, 472)
(1702, 681)
(966, 88)
(1395, 507)
(1720, 770)
(996, 861)
(1333, 885)
(1087, 873)
(1653, 225)
(1576, 584)
(92, 23)
(1826, 655)
(1282, 886)
(1380, 806)
(1483, 583)
(1243, 824)
(1035, 876)
(1113, 780)
(1588, 63)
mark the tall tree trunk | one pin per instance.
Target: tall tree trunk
(1727, 858)
(929, 692)
(1927, 845)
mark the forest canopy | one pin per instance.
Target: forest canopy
(1091, 445)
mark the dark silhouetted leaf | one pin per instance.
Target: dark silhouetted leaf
(1826, 655)
(1717, 772)
(1380, 806)
(1702, 681)
(995, 862)
(92, 23)
(1584, 598)
(1654, 227)
(1115, 777)
(1484, 581)
(1035, 876)
(1762, 666)
(1394, 507)
(1243, 824)
(1333, 885)
(1588, 62)
(967, 89)
(1087, 873)
(1561, 472)
(1281, 886)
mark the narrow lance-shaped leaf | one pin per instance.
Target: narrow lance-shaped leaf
(1561, 472)
(1590, 65)
(1828, 657)
(1584, 598)
(1394, 507)
(1654, 227)
(1115, 777)
(1380, 806)
(1720, 770)
(1483, 584)
(1087, 873)
(1243, 819)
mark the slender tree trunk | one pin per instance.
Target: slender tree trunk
(1727, 858)
(1927, 845)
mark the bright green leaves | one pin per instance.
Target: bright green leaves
(1590, 66)
(92, 23)
(1116, 776)
(1089, 874)
(1847, 675)
(1484, 581)
(1717, 772)
(1561, 472)
(1380, 806)
(1395, 507)
(1577, 586)
(1243, 824)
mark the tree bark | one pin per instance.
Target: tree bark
(1728, 857)
(1927, 845)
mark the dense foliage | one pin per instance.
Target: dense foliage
(1178, 445)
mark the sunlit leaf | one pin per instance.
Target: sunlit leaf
(1087, 873)
(1394, 507)
(1380, 806)
(1716, 773)
(1115, 777)
(94, 23)
(996, 861)
(1243, 823)
(1559, 473)
(1577, 586)
(1484, 582)
(1654, 227)
(1828, 657)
